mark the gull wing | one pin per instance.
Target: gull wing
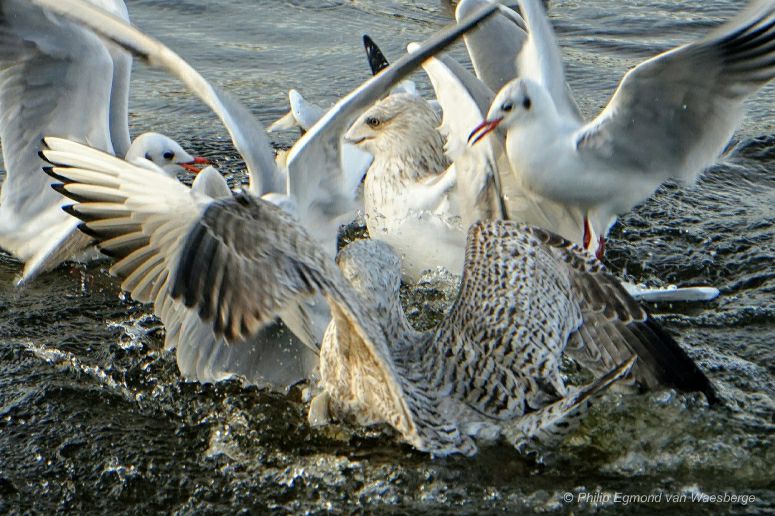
(303, 114)
(494, 45)
(502, 341)
(672, 115)
(55, 78)
(464, 101)
(616, 327)
(165, 239)
(375, 57)
(524, 293)
(247, 133)
(541, 61)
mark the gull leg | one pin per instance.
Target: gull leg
(587, 238)
(600, 248)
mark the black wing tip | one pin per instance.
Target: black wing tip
(377, 60)
(84, 228)
(49, 171)
(42, 154)
(676, 368)
(70, 210)
(62, 189)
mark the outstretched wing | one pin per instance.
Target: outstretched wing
(673, 115)
(503, 339)
(540, 59)
(524, 293)
(494, 45)
(55, 78)
(364, 364)
(615, 326)
(214, 270)
(247, 133)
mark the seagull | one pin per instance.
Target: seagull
(489, 370)
(670, 117)
(409, 193)
(313, 191)
(58, 78)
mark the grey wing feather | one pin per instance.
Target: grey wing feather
(615, 326)
(360, 373)
(244, 260)
(673, 115)
(146, 231)
(272, 357)
(553, 422)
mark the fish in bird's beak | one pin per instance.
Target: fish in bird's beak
(483, 130)
(191, 166)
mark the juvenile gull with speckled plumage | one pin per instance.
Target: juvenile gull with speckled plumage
(410, 194)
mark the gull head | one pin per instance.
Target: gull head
(400, 123)
(164, 152)
(518, 102)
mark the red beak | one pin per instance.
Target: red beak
(483, 129)
(190, 166)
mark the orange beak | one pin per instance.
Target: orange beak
(483, 130)
(191, 166)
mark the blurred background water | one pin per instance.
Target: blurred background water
(94, 418)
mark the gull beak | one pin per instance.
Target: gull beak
(483, 130)
(191, 165)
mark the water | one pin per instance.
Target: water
(94, 418)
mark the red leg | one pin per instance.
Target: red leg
(600, 248)
(587, 238)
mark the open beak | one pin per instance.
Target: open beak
(191, 166)
(483, 129)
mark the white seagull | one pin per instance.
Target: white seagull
(490, 369)
(314, 192)
(670, 117)
(58, 78)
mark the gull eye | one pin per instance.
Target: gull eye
(373, 121)
(526, 103)
(148, 156)
(168, 155)
(507, 106)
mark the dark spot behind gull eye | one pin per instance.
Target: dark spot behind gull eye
(168, 155)
(526, 103)
(507, 106)
(148, 156)
(373, 121)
